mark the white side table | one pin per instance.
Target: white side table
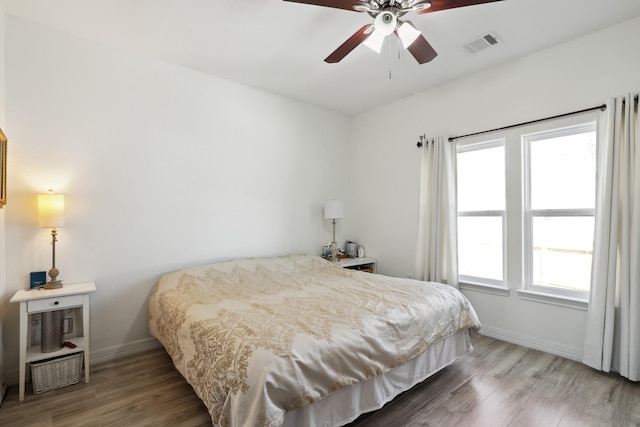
(359, 264)
(43, 300)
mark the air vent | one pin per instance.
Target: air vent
(482, 42)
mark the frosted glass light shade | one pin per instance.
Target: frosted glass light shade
(51, 210)
(374, 41)
(334, 209)
(408, 34)
(385, 23)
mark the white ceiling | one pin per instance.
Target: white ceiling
(280, 46)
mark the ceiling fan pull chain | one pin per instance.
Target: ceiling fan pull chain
(390, 54)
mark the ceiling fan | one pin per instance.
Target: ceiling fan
(387, 14)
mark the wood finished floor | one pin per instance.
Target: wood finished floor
(499, 384)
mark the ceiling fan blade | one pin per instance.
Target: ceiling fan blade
(351, 43)
(437, 5)
(422, 50)
(337, 4)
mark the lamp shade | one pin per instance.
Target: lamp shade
(385, 23)
(407, 34)
(51, 210)
(333, 209)
(374, 41)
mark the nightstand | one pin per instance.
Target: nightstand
(363, 264)
(43, 300)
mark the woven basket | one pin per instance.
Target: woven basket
(55, 373)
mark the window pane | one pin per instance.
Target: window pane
(481, 179)
(563, 171)
(480, 247)
(562, 248)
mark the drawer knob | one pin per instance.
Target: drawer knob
(55, 303)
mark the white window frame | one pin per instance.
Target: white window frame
(498, 286)
(529, 214)
(516, 273)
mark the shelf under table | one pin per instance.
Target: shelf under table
(34, 354)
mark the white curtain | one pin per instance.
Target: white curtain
(436, 253)
(612, 341)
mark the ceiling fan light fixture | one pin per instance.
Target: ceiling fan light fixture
(407, 34)
(385, 23)
(374, 41)
(421, 6)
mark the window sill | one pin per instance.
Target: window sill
(487, 289)
(547, 298)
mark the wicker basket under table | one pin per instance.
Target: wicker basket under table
(55, 373)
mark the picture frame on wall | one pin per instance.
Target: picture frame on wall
(3, 169)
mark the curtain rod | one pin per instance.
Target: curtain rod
(602, 107)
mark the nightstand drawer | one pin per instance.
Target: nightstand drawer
(54, 303)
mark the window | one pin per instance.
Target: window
(526, 206)
(559, 208)
(481, 212)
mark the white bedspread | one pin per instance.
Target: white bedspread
(258, 337)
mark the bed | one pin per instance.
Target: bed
(300, 341)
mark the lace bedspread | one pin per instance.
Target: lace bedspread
(258, 337)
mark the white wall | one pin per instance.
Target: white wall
(386, 162)
(161, 167)
(3, 281)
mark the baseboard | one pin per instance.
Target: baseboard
(128, 349)
(550, 347)
(104, 355)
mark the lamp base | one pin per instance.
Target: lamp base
(333, 248)
(53, 285)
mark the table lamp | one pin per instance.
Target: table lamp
(333, 210)
(51, 215)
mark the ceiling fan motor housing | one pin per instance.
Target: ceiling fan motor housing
(387, 17)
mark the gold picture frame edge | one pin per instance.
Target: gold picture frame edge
(3, 169)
